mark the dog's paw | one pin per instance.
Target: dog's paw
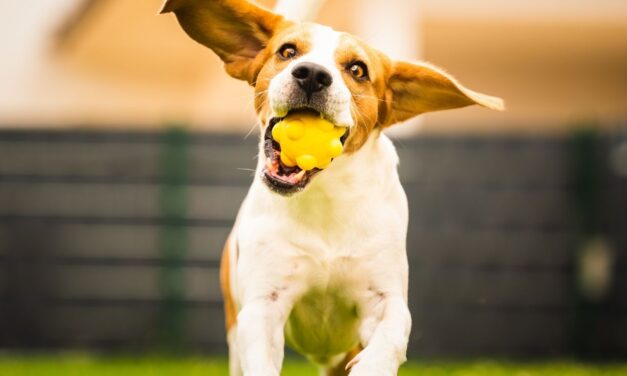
(262, 373)
(366, 363)
(365, 369)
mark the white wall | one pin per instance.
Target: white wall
(26, 27)
(592, 10)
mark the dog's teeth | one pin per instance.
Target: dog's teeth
(300, 175)
(269, 164)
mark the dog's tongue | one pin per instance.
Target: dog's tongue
(292, 175)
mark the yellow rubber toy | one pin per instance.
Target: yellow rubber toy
(308, 141)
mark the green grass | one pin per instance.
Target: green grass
(74, 365)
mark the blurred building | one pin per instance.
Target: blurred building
(116, 63)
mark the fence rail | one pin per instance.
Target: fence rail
(111, 241)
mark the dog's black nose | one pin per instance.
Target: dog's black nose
(312, 77)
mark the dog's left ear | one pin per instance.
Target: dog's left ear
(236, 30)
(418, 88)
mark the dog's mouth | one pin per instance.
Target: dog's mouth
(279, 177)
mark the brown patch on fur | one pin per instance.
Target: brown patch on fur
(368, 96)
(230, 310)
(340, 369)
(268, 64)
(397, 91)
(236, 30)
(274, 296)
(415, 89)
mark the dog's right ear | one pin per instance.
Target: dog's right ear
(235, 30)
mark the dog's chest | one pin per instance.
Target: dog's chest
(348, 225)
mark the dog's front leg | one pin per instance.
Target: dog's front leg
(386, 338)
(260, 338)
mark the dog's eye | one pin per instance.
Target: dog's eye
(287, 51)
(358, 70)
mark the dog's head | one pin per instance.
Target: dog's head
(296, 67)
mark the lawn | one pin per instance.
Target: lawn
(89, 365)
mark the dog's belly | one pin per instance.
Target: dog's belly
(322, 325)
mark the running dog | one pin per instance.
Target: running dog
(317, 258)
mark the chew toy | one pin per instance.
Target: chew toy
(308, 141)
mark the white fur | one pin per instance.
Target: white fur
(341, 241)
(346, 230)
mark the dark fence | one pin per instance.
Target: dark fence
(111, 241)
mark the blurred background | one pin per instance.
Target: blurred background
(124, 156)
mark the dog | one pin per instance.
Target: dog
(316, 259)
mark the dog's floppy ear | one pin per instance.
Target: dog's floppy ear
(235, 30)
(418, 88)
